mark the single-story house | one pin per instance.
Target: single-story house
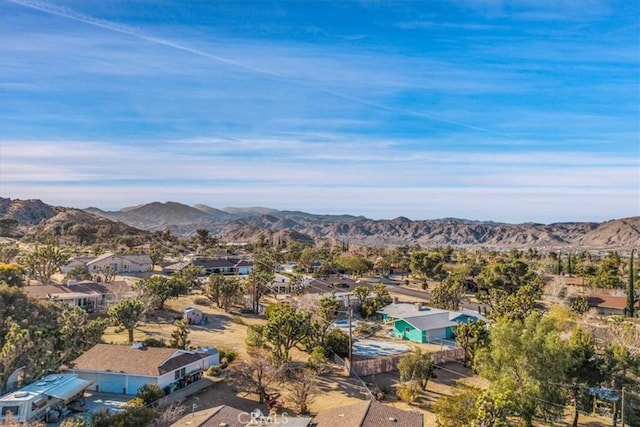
(369, 413)
(89, 295)
(609, 304)
(43, 398)
(124, 369)
(225, 265)
(121, 263)
(418, 323)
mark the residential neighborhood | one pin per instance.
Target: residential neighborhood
(202, 335)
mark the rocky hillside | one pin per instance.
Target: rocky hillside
(34, 216)
(251, 224)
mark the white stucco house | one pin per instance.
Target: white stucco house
(121, 263)
(124, 369)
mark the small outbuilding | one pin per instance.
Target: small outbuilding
(193, 315)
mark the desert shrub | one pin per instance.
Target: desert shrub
(154, 342)
(74, 422)
(202, 301)
(227, 356)
(407, 391)
(366, 328)
(149, 393)
(338, 342)
(237, 319)
(214, 370)
(318, 359)
(136, 402)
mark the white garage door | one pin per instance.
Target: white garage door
(438, 333)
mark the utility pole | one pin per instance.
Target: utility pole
(622, 407)
(350, 313)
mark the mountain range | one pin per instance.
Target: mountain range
(234, 224)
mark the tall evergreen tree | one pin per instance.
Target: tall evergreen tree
(630, 311)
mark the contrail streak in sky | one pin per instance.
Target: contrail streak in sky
(108, 25)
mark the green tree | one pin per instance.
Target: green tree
(428, 265)
(44, 261)
(354, 264)
(156, 253)
(380, 299)
(338, 342)
(522, 361)
(158, 289)
(286, 328)
(510, 288)
(255, 339)
(261, 276)
(631, 294)
(189, 277)
(77, 333)
(307, 258)
(362, 293)
(459, 408)
(608, 273)
(449, 293)
(580, 304)
(212, 289)
(584, 370)
(11, 275)
(180, 335)
(127, 313)
(328, 311)
(417, 367)
(471, 336)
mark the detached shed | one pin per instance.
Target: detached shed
(192, 315)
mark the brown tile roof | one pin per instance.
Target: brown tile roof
(608, 301)
(123, 359)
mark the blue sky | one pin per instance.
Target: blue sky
(499, 110)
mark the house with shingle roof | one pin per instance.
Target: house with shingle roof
(124, 369)
(370, 413)
(228, 416)
(418, 323)
(92, 296)
(135, 263)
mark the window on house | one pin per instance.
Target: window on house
(177, 375)
(14, 410)
(407, 329)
